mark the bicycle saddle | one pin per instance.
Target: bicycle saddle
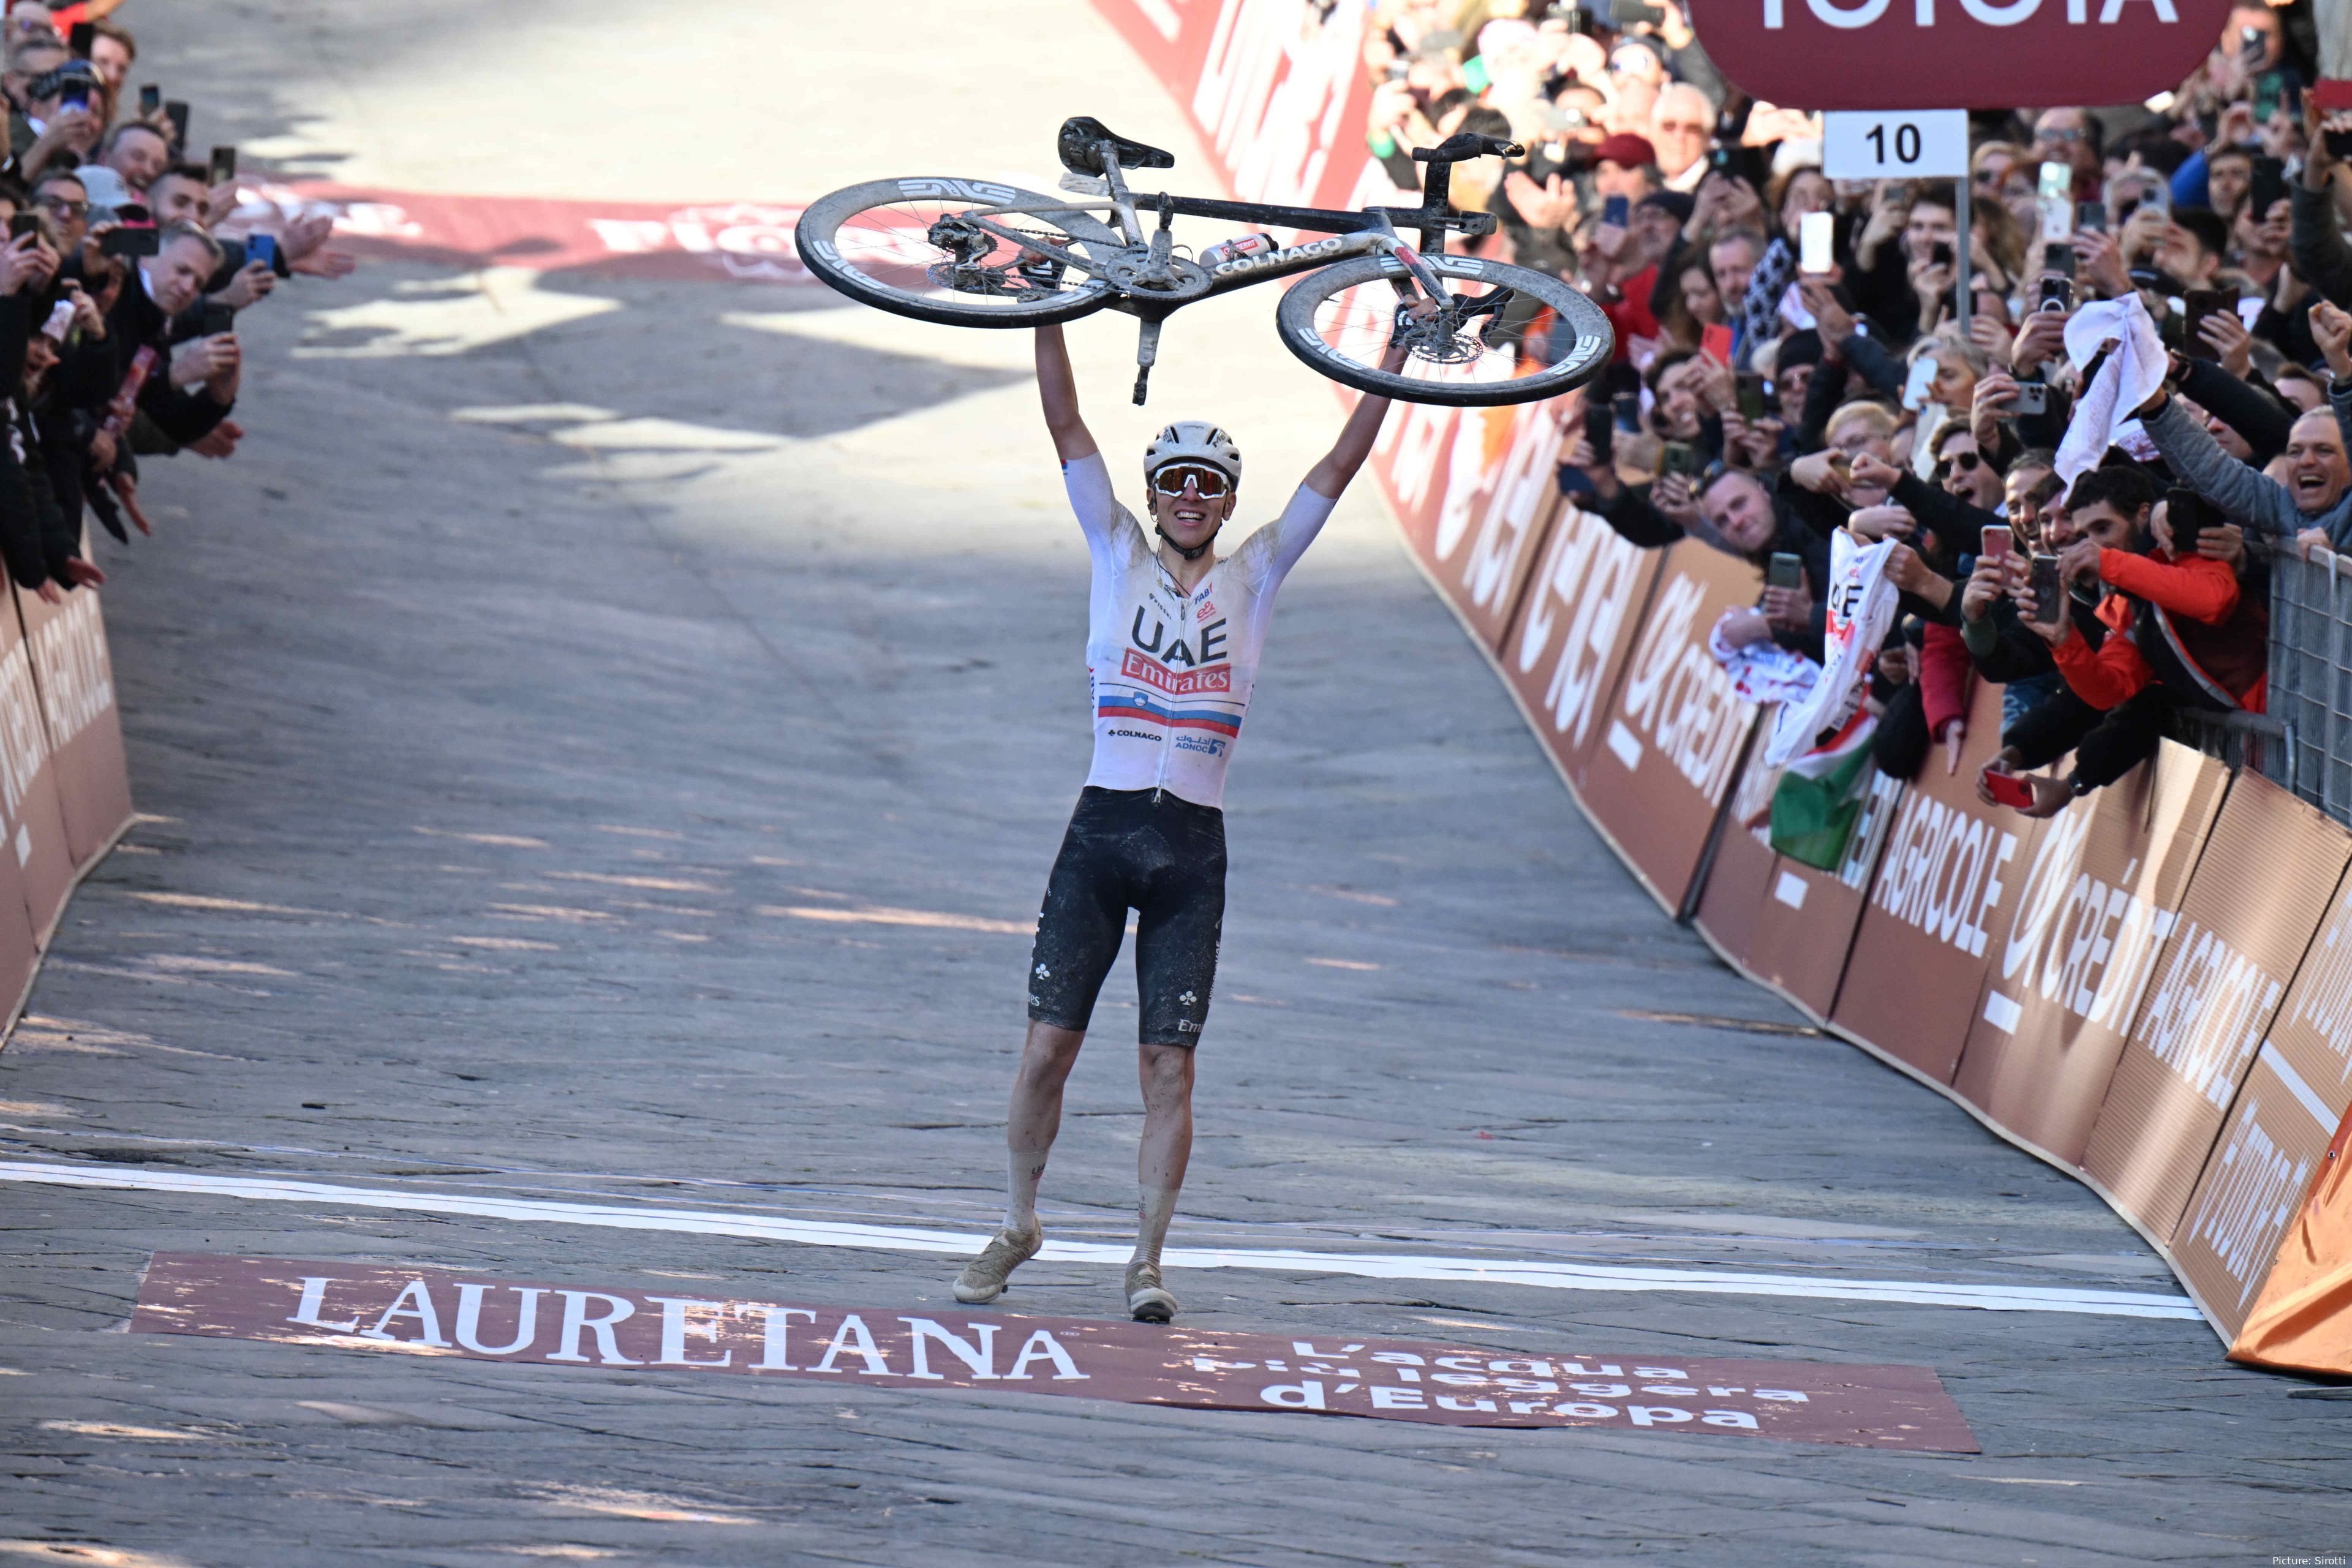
(1081, 138)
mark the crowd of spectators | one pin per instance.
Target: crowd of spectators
(125, 269)
(1763, 398)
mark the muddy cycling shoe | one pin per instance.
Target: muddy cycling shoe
(1146, 1299)
(984, 1277)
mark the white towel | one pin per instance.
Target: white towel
(2128, 379)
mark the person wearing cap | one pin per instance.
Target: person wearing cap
(1624, 165)
(1172, 643)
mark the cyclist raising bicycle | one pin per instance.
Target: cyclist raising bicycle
(1172, 640)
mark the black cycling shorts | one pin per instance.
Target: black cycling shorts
(1161, 857)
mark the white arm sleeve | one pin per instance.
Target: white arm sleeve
(1294, 531)
(1087, 481)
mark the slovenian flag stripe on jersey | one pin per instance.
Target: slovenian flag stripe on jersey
(1137, 705)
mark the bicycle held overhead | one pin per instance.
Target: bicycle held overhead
(976, 252)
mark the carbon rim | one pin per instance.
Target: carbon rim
(1549, 340)
(879, 243)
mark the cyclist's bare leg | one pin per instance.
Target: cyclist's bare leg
(1035, 1118)
(1167, 1075)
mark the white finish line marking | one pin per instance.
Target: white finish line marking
(901, 1238)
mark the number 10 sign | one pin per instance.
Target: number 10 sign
(1898, 145)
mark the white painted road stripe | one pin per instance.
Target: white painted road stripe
(900, 1238)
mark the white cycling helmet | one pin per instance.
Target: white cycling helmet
(1193, 441)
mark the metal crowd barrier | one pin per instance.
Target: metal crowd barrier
(2305, 739)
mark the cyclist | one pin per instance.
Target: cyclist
(1172, 641)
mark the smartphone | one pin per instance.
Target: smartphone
(1719, 159)
(2196, 305)
(74, 95)
(1751, 384)
(223, 168)
(1623, 14)
(130, 240)
(2058, 181)
(1627, 406)
(2048, 599)
(177, 111)
(1601, 432)
(2009, 790)
(79, 38)
(2267, 188)
(2057, 218)
(23, 223)
(151, 100)
(1617, 210)
(1994, 542)
(2091, 217)
(2055, 295)
(1677, 457)
(263, 248)
(2033, 398)
(1940, 254)
(1715, 341)
(1916, 385)
(1815, 234)
(215, 319)
(2340, 142)
(1784, 571)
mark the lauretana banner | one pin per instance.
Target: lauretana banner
(2152, 990)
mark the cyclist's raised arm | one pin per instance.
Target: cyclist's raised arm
(1058, 391)
(1330, 476)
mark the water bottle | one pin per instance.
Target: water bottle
(1226, 250)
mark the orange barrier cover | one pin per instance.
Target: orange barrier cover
(2303, 1319)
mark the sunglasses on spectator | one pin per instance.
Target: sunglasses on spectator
(1209, 484)
(2068, 133)
(63, 207)
(1965, 462)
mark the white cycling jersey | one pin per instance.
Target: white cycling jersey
(1171, 670)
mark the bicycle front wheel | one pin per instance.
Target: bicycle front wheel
(909, 246)
(1544, 340)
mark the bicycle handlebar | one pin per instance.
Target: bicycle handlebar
(1467, 145)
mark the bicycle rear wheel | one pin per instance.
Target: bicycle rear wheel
(1549, 339)
(896, 243)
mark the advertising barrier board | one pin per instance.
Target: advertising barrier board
(38, 848)
(1480, 544)
(1804, 928)
(1672, 738)
(76, 681)
(1948, 880)
(2270, 1146)
(2269, 870)
(1739, 876)
(2069, 965)
(1565, 650)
